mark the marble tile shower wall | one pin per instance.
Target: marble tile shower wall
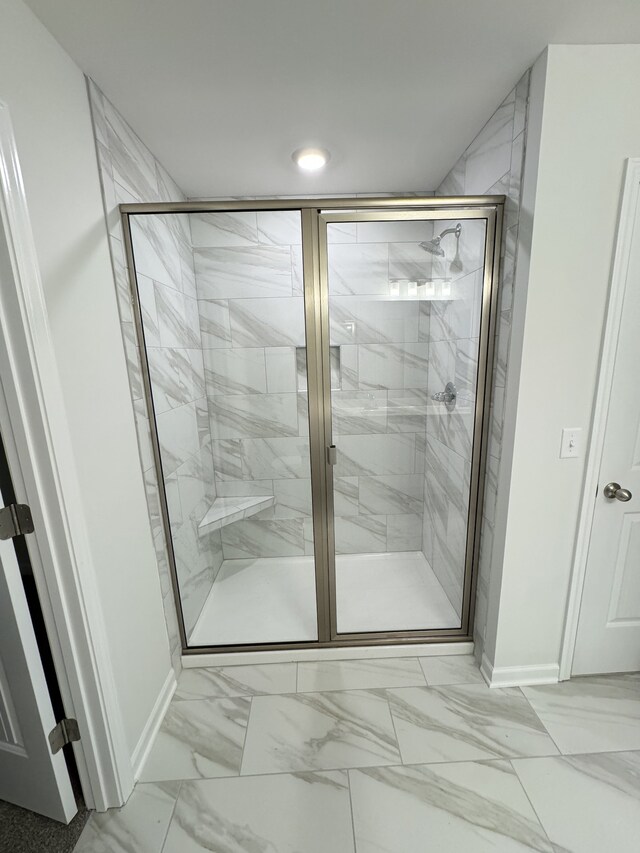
(167, 290)
(493, 163)
(249, 279)
(130, 173)
(379, 409)
(452, 327)
(248, 269)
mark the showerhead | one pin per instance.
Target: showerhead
(433, 247)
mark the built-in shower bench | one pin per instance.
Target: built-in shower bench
(227, 510)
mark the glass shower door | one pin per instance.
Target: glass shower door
(266, 334)
(405, 296)
(222, 315)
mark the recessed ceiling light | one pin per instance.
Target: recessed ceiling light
(310, 159)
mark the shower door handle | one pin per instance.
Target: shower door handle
(332, 454)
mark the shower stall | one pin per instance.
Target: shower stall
(317, 374)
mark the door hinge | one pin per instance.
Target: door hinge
(15, 520)
(332, 454)
(65, 732)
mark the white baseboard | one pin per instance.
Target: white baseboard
(141, 752)
(519, 676)
(342, 653)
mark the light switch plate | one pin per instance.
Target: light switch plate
(571, 445)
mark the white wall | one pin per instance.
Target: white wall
(46, 95)
(585, 122)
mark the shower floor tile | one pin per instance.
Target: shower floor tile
(273, 599)
(265, 600)
(390, 592)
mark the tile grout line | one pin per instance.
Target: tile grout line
(395, 732)
(526, 793)
(538, 717)
(353, 822)
(365, 767)
(246, 732)
(173, 811)
(426, 680)
(370, 689)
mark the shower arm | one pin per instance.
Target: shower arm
(457, 231)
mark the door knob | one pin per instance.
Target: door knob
(613, 491)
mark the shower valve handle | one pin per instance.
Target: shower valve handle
(447, 396)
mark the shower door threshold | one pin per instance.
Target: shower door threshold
(339, 651)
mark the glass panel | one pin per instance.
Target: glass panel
(404, 314)
(223, 315)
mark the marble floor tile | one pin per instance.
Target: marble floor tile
(467, 722)
(223, 681)
(199, 739)
(446, 808)
(451, 669)
(586, 803)
(358, 674)
(140, 825)
(593, 714)
(301, 813)
(318, 731)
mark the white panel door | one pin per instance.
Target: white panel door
(30, 776)
(608, 637)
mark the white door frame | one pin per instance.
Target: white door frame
(33, 421)
(630, 194)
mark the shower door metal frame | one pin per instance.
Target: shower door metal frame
(485, 356)
(316, 213)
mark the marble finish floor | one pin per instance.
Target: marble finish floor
(397, 755)
(273, 599)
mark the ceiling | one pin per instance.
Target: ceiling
(222, 91)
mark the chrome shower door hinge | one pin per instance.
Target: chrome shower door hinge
(65, 732)
(15, 520)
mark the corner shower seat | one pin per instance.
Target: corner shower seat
(226, 510)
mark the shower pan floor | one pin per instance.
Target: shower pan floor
(273, 599)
